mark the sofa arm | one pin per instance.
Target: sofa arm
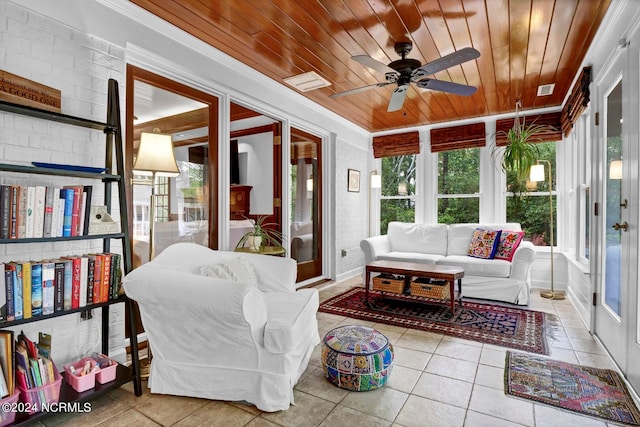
(302, 247)
(179, 309)
(374, 247)
(522, 260)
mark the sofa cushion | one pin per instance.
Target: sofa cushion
(411, 257)
(459, 236)
(237, 269)
(478, 266)
(420, 238)
(484, 243)
(509, 242)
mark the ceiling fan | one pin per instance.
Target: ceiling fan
(405, 71)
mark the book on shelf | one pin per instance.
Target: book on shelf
(58, 303)
(17, 291)
(84, 276)
(75, 280)
(38, 220)
(27, 291)
(3, 295)
(9, 278)
(31, 207)
(44, 345)
(91, 268)
(13, 218)
(58, 213)
(48, 212)
(75, 207)
(48, 287)
(36, 288)
(116, 275)
(67, 195)
(5, 211)
(22, 212)
(97, 278)
(86, 209)
(106, 278)
(67, 291)
(7, 358)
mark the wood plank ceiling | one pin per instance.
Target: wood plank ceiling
(523, 44)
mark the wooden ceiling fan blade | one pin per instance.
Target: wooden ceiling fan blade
(358, 89)
(397, 98)
(368, 61)
(449, 87)
(447, 61)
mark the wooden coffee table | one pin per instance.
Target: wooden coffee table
(438, 272)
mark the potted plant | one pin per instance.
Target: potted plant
(521, 151)
(261, 235)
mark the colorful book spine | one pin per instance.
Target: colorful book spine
(48, 287)
(75, 208)
(9, 273)
(26, 290)
(116, 274)
(106, 278)
(59, 212)
(36, 289)
(88, 190)
(97, 279)
(68, 211)
(17, 291)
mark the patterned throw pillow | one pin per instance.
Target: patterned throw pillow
(509, 241)
(484, 243)
(236, 269)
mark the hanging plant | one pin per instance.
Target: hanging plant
(521, 151)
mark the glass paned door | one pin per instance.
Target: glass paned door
(613, 234)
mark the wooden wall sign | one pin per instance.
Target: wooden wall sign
(22, 91)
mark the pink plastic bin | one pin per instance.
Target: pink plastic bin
(48, 393)
(104, 375)
(84, 382)
(7, 418)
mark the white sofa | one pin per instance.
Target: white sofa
(443, 244)
(225, 339)
(302, 241)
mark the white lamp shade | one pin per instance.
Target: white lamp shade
(402, 189)
(615, 169)
(155, 154)
(376, 181)
(536, 173)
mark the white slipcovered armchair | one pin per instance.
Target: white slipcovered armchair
(220, 338)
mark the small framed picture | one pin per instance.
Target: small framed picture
(353, 184)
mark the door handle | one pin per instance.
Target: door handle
(624, 226)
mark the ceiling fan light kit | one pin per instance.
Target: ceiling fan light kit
(405, 71)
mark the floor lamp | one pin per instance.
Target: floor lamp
(536, 174)
(375, 181)
(155, 157)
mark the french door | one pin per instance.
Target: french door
(616, 312)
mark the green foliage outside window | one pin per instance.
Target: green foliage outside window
(399, 171)
(459, 173)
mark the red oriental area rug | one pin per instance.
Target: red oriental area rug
(510, 327)
(588, 391)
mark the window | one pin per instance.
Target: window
(458, 186)
(397, 200)
(529, 205)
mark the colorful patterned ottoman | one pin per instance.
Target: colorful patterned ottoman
(357, 358)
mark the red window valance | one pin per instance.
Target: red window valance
(458, 137)
(398, 144)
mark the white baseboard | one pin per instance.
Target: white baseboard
(349, 274)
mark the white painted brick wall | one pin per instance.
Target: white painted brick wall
(40, 49)
(351, 208)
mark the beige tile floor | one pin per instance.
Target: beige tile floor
(436, 381)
